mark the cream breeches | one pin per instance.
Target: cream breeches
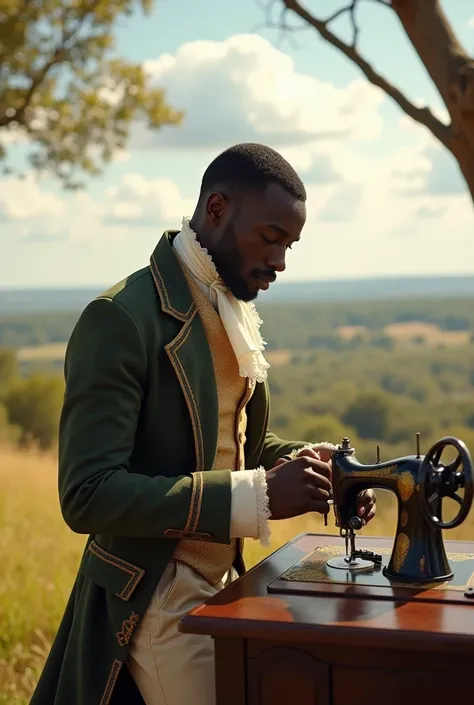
(170, 668)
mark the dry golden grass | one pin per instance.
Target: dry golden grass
(39, 556)
(349, 332)
(431, 334)
(278, 357)
(405, 333)
(41, 353)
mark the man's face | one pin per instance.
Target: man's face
(252, 238)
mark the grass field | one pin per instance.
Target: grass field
(401, 333)
(39, 558)
(406, 333)
(39, 353)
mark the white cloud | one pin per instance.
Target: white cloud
(427, 168)
(244, 89)
(141, 202)
(24, 200)
(470, 23)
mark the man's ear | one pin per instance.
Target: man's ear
(216, 207)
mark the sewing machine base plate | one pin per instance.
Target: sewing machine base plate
(312, 575)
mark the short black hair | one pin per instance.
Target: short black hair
(252, 166)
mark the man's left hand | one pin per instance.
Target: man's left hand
(366, 501)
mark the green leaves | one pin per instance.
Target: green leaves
(63, 88)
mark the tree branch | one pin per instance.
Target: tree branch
(424, 116)
(351, 9)
(446, 61)
(285, 30)
(58, 56)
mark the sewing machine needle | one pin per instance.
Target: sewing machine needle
(330, 502)
(353, 547)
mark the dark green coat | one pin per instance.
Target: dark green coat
(137, 433)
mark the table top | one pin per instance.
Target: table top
(246, 610)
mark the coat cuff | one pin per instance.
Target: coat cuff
(250, 512)
(313, 446)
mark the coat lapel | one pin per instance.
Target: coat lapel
(188, 351)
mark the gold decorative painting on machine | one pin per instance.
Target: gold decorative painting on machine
(415, 564)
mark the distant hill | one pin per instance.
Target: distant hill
(31, 301)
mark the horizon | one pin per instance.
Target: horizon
(314, 280)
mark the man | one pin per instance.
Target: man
(165, 457)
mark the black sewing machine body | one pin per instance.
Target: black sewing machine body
(420, 483)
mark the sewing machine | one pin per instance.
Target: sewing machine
(420, 484)
(417, 559)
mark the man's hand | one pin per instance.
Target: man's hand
(366, 501)
(299, 486)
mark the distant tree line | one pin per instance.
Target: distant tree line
(372, 394)
(292, 326)
(376, 396)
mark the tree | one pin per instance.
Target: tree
(34, 405)
(8, 369)
(448, 64)
(369, 414)
(63, 87)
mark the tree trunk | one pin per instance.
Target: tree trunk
(446, 61)
(465, 157)
(451, 70)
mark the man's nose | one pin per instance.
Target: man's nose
(277, 259)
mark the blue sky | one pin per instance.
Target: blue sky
(381, 190)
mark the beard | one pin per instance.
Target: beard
(228, 262)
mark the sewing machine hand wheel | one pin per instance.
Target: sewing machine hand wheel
(438, 480)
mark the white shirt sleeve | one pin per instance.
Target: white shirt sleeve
(250, 512)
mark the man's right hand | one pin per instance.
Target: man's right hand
(299, 486)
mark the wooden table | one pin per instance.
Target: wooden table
(280, 649)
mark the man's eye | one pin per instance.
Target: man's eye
(268, 239)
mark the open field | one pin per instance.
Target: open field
(39, 557)
(276, 358)
(403, 334)
(50, 351)
(412, 331)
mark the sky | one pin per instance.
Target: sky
(384, 198)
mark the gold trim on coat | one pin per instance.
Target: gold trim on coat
(172, 349)
(111, 681)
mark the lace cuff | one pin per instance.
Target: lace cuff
(313, 446)
(250, 510)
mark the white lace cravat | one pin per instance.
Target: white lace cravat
(239, 318)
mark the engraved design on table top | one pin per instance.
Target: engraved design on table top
(402, 546)
(338, 550)
(315, 574)
(404, 518)
(406, 485)
(312, 568)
